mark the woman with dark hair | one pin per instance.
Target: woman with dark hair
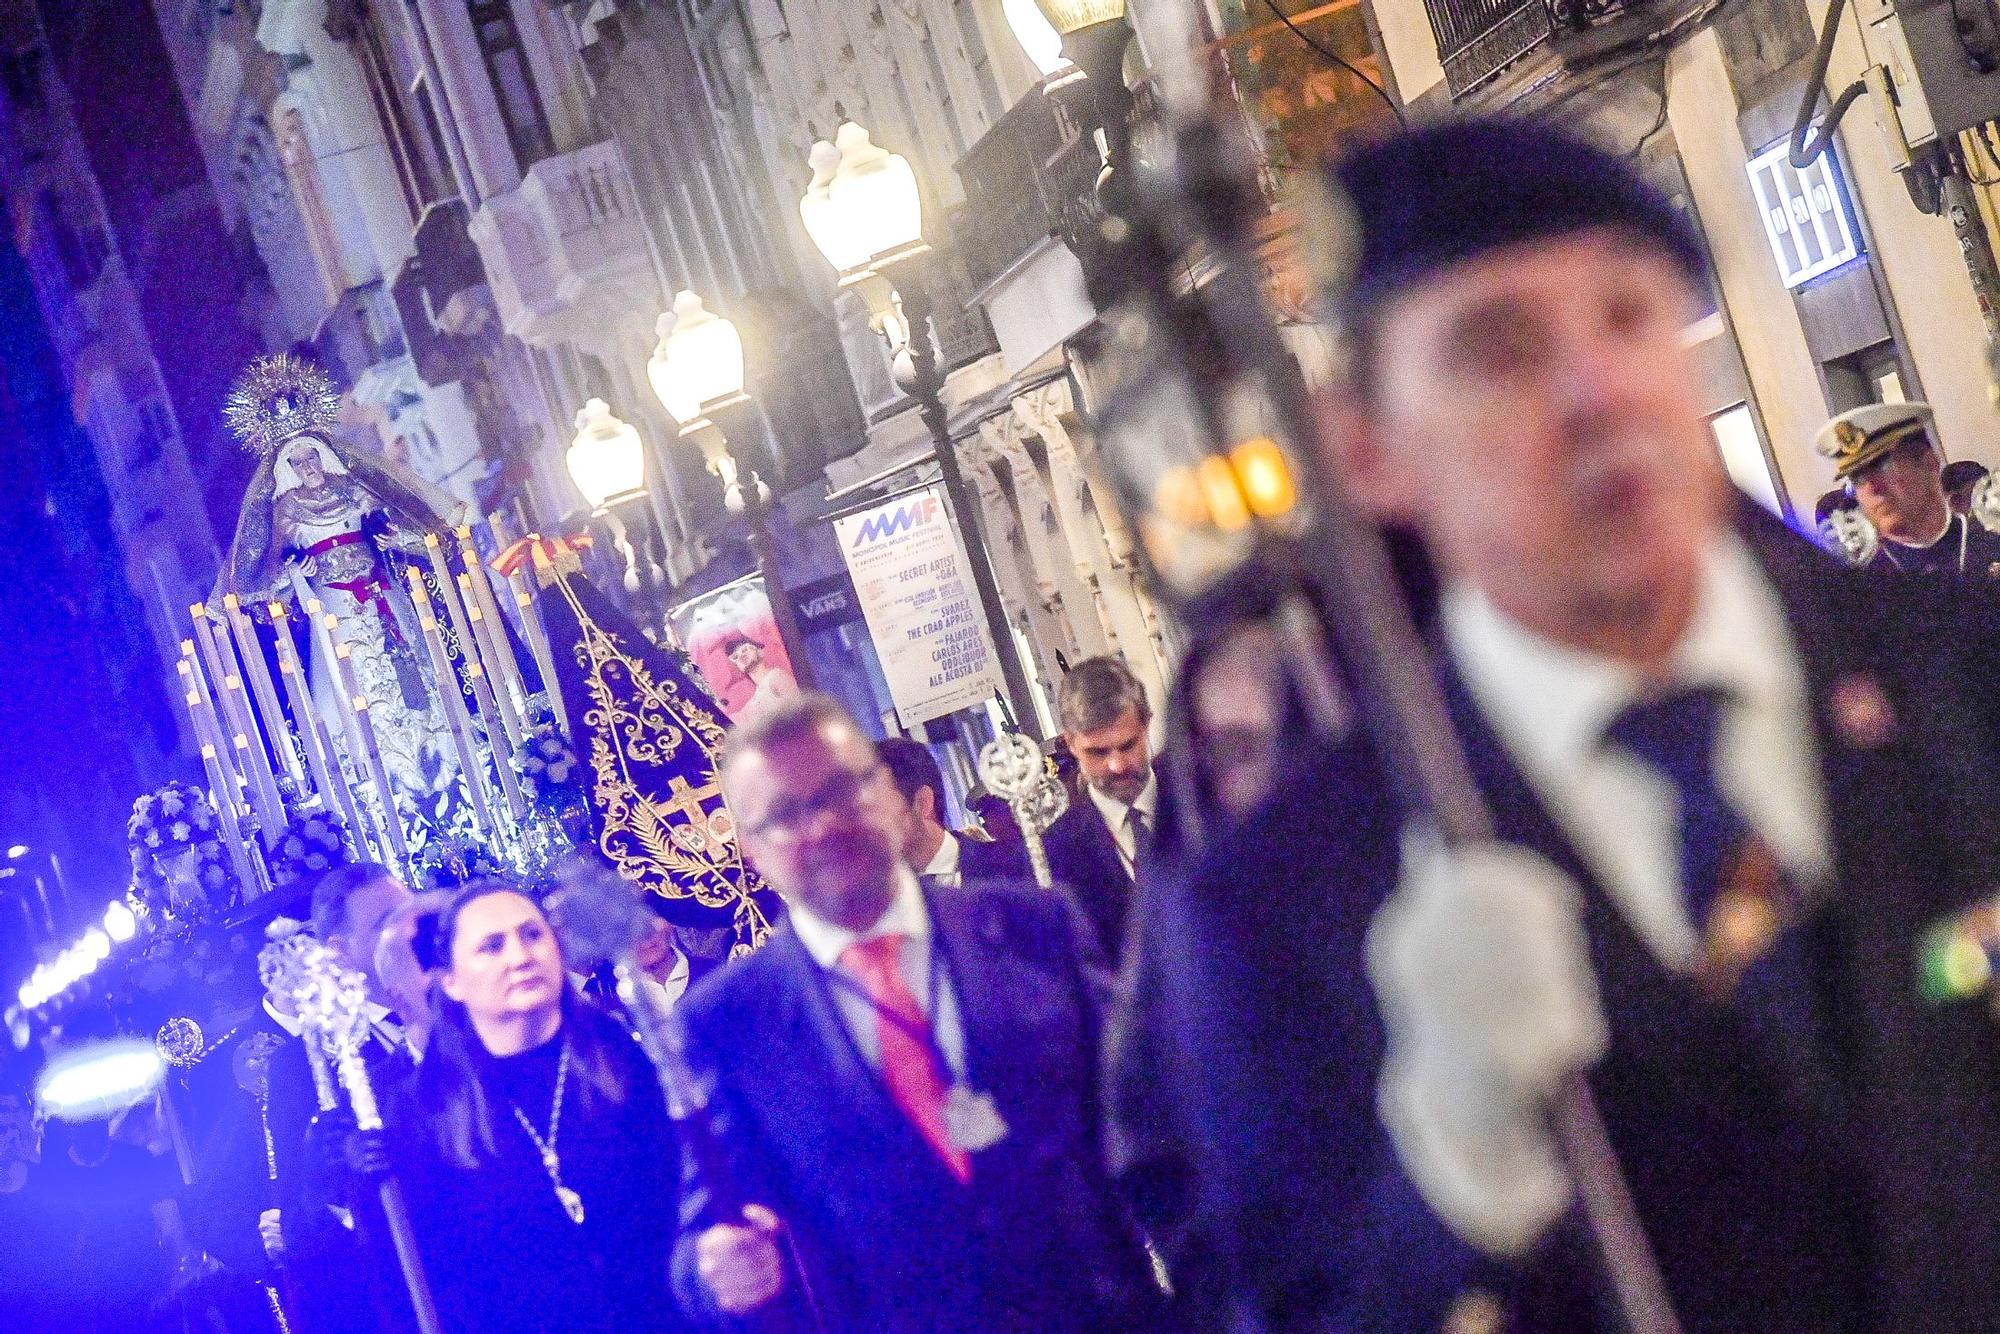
(541, 1168)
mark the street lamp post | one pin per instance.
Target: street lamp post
(697, 371)
(607, 461)
(865, 213)
(1094, 37)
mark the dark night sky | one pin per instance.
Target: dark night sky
(77, 670)
(84, 709)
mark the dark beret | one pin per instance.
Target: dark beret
(1440, 194)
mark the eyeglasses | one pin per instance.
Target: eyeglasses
(840, 794)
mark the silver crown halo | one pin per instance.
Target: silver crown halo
(279, 398)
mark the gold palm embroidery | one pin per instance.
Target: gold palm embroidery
(679, 844)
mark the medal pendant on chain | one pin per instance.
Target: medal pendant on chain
(571, 1202)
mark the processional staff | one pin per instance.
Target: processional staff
(600, 918)
(1208, 199)
(1013, 769)
(332, 1004)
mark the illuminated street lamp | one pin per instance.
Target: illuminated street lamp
(697, 369)
(1092, 32)
(607, 461)
(697, 372)
(864, 210)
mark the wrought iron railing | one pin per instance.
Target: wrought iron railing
(1477, 39)
(1031, 177)
(964, 334)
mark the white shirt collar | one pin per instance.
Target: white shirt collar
(943, 862)
(1950, 521)
(906, 916)
(1113, 810)
(1551, 703)
(1549, 706)
(670, 991)
(292, 1024)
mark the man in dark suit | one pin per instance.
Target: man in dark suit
(903, 1088)
(939, 855)
(1761, 778)
(1107, 838)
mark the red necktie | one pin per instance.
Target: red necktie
(909, 1067)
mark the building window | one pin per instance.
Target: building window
(417, 171)
(1805, 213)
(513, 81)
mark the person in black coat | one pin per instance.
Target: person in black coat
(935, 853)
(1117, 822)
(1644, 673)
(903, 1088)
(532, 1140)
(1887, 456)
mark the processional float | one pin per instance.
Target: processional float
(362, 674)
(352, 660)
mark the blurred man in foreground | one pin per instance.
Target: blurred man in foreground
(904, 1082)
(1751, 783)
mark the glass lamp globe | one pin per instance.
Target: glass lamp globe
(698, 364)
(1037, 36)
(606, 460)
(863, 208)
(1068, 16)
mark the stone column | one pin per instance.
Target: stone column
(1021, 593)
(330, 90)
(1065, 598)
(1098, 536)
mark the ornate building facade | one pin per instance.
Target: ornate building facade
(475, 211)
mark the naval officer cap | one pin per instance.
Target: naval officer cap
(1865, 435)
(1439, 195)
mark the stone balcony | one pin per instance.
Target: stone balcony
(565, 250)
(1030, 183)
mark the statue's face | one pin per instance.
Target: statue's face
(311, 471)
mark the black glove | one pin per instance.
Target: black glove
(326, 1141)
(368, 1153)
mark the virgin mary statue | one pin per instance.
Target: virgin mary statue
(325, 520)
